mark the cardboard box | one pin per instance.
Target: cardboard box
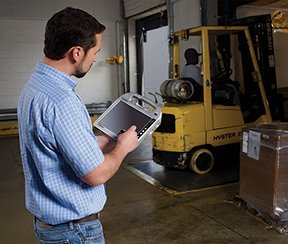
(264, 169)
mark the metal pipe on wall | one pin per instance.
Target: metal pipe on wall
(170, 16)
(119, 52)
(126, 81)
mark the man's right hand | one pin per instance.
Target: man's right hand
(128, 140)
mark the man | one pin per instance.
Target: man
(64, 163)
(191, 70)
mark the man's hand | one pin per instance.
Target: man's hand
(105, 143)
(128, 140)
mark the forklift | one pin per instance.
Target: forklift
(196, 121)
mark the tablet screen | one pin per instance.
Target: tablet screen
(122, 116)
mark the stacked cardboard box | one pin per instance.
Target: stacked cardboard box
(264, 169)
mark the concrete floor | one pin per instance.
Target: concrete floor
(138, 212)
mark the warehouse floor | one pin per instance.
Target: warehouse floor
(140, 212)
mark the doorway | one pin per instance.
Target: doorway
(152, 54)
(156, 62)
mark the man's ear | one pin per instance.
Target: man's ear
(76, 54)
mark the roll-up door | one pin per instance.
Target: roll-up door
(134, 7)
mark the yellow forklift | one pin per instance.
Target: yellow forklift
(195, 122)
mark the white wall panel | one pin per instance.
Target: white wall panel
(22, 24)
(20, 47)
(187, 13)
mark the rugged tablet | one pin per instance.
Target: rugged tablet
(130, 109)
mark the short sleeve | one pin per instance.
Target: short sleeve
(74, 136)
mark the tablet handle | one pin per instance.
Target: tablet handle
(130, 96)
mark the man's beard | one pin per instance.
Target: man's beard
(79, 73)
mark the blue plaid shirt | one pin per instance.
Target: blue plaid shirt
(57, 147)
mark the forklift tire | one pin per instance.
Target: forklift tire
(202, 161)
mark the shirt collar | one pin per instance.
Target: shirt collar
(56, 74)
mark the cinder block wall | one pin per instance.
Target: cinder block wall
(22, 24)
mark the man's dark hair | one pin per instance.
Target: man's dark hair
(68, 28)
